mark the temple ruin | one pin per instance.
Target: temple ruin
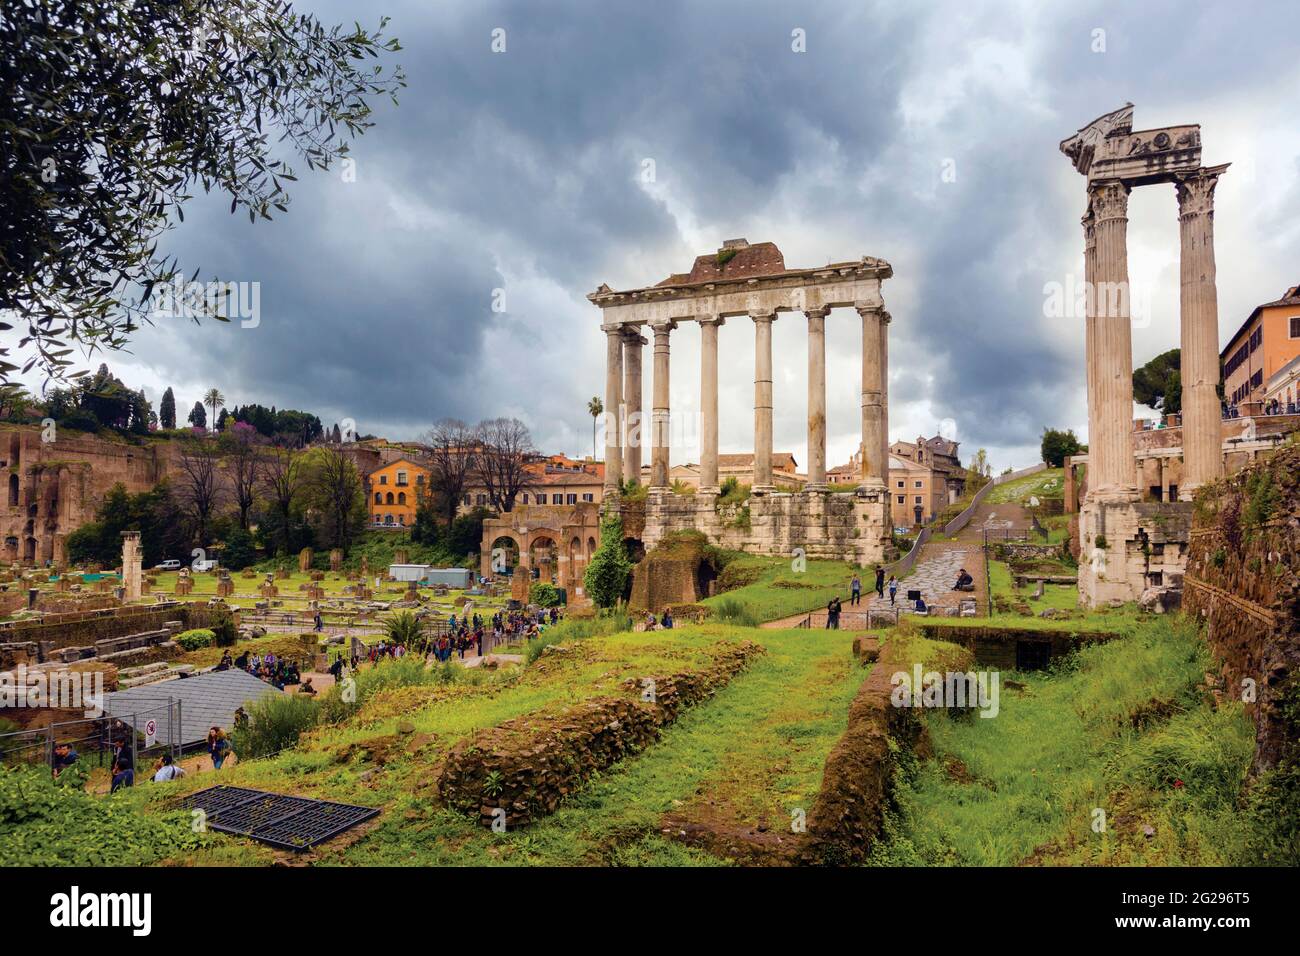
(743, 281)
(1128, 544)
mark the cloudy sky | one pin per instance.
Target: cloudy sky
(522, 171)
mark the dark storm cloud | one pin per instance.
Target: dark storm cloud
(520, 171)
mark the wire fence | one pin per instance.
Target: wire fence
(148, 731)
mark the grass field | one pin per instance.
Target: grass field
(1133, 743)
(1049, 483)
(779, 590)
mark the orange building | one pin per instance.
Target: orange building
(394, 492)
(1267, 341)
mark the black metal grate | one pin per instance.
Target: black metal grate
(292, 823)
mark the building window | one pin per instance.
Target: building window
(401, 519)
(557, 499)
(1295, 326)
(388, 519)
(401, 497)
(918, 500)
(466, 499)
(419, 479)
(589, 497)
(388, 498)
(383, 479)
(379, 498)
(916, 484)
(571, 500)
(902, 499)
(401, 478)
(901, 484)
(481, 499)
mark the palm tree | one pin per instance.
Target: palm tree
(595, 408)
(214, 400)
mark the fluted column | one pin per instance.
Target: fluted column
(1089, 222)
(763, 402)
(634, 424)
(885, 320)
(613, 403)
(875, 471)
(1112, 471)
(816, 399)
(662, 431)
(1199, 305)
(709, 325)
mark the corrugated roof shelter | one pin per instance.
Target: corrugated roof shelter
(206, 700)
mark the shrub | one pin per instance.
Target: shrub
(544, 594)
(402, 628)
(196, 638)
(731, 611)
(224, 630)
(275, 722)
(608, 573)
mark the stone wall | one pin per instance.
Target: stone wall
(1243, 581)
(527, 766)
(54, 632)
(997, 647)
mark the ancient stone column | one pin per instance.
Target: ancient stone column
(875, 458)
(635, 422)
(662, 419)
(1199, 305)
(613, 403)
(816, 399)
(763, 402)
(1112, 471)
(709, 325)
(1089, 222)
(885, 320)
(132, 576)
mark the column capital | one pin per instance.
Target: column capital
(1195, 191)
(866, 310)
(763, 316)
(632, 336)
(1108, 199)
(819, 313)
(614, 328)
(717, 320)
(662, 326)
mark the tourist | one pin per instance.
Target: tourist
(964, 581)
(64, 757)
(667, 622)
(650, 622)
(167, 770)
(336, 669)
(218, 746)
(320, 624)
(880, 580)
(833, 614)
(242, 661)
(241, 719)
(123, 768)
(893, 589)
(225, 663)
(307, 689)
(920, 606)
(855, 589)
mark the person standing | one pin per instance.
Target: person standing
(218, 747)
(880, 580)
(123, 769)
(893, 589)
(855, 589)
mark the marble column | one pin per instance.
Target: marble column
(885, 320)
(662, 431)
(1112, 470)
(763, 402)
(709, 325)
(613, 417)
(634, 425)
(1089, 222)
(875, 472)
(1199, 305)
(816, 399)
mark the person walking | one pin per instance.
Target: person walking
(855, 589)
(893, 589)
(880, 580)
(218, 747)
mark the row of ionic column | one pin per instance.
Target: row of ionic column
(1112, 467)
(625, 434)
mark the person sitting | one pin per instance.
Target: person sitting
(667, 622)
(920, 606)
(167, 770)
(306, 688)
(964, 581)
(650, 622)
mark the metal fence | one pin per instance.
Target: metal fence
(93, 738)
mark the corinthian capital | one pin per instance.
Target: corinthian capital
(1108, 199)
(1196, 191)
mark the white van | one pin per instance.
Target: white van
(200, 565)
(171, 564)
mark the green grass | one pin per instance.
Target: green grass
(1005, 594)
(1123, 729)
(1049, 483)
(779, 590)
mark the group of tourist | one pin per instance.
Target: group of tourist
(665, 622)
(120, 739)
(276, 671)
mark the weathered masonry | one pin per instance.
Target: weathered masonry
(1128, 545)
(750, 282)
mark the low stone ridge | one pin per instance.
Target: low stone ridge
(848, 811)
(527, 766)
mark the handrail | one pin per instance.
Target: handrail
(904, 564)
(963, 519)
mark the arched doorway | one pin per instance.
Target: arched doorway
(543, 556)
(502, 555)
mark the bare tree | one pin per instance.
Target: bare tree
(453, 461)
(281, 470)
(338, 493)
(198, 490)
(244, 467)
(506, 449)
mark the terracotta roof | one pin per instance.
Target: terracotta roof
(781, 460)
(737, 259)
